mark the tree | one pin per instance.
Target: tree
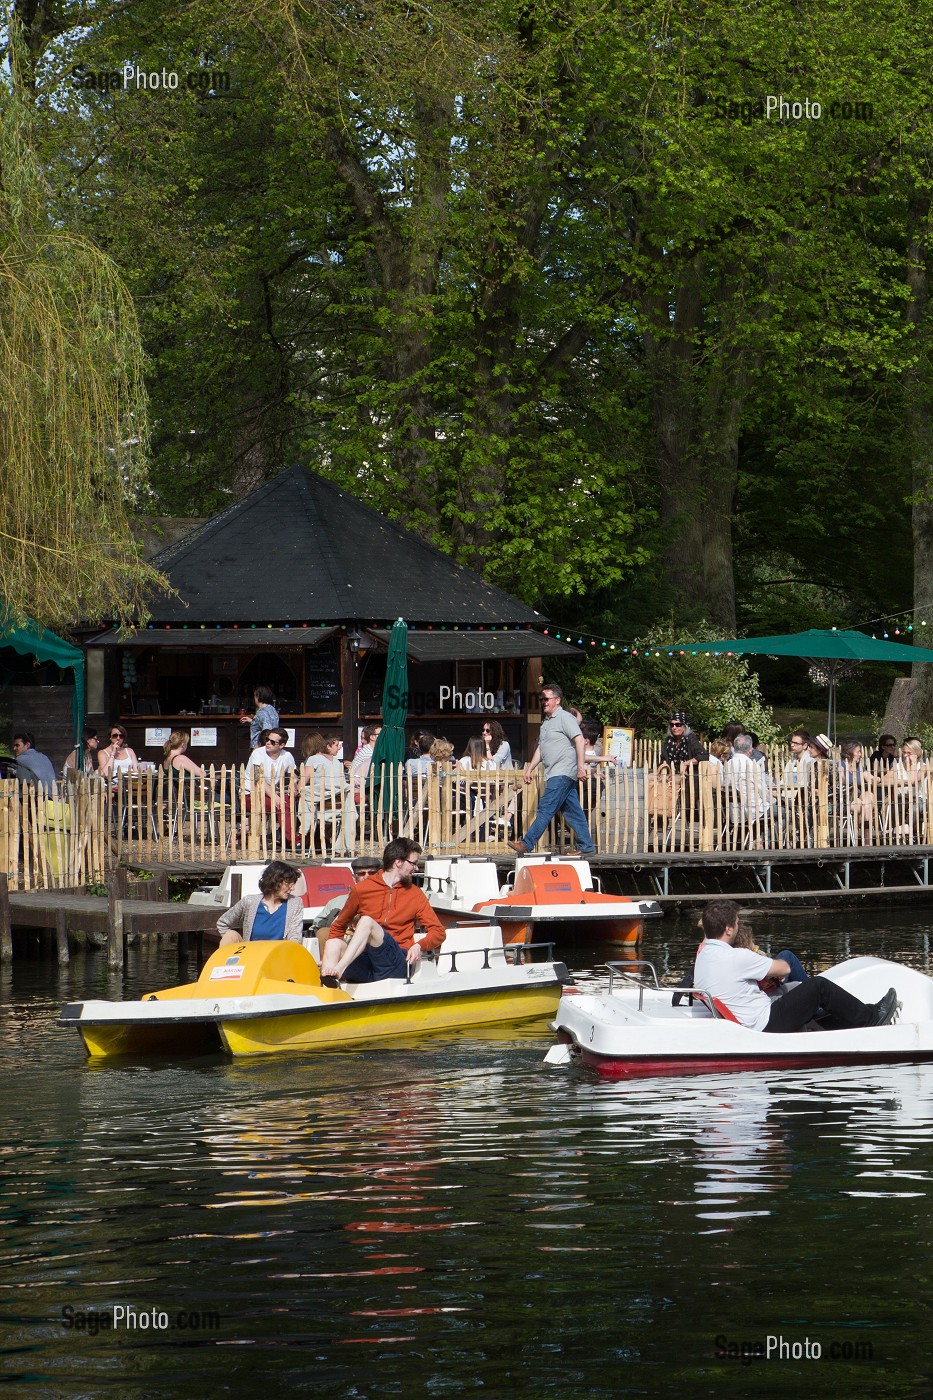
(72, 404)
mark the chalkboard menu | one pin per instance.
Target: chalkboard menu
(322, 677)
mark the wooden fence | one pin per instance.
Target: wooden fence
(73, 836)
(54, 840)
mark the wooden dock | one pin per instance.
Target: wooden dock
(121, 917)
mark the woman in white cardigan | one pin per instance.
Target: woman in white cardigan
(275, 913)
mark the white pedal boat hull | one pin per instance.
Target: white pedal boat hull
(634, 1031)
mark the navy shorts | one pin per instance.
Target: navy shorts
(375, 964)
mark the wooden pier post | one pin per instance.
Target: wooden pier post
(115, 895)
(61, 936)
(6, 929)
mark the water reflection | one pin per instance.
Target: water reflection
(460, 1212)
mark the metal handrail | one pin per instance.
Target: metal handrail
(624, 971)
(517, 949)
(622, 968)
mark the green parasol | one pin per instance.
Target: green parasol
(835, 646)
(390, 746)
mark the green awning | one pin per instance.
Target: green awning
(817, 644)
(46, 646)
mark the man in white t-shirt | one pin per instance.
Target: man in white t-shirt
(277, 765)
(731, 975)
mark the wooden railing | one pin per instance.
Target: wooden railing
(58, 839)
(73, 836)
(630, 811)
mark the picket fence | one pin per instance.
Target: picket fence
(74, 835)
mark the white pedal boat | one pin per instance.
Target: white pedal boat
(633, 1030)
(319, 884)
(542, 891)
(267, 997)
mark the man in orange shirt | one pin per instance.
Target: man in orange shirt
(388, 906)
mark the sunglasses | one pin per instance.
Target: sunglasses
(275, 743)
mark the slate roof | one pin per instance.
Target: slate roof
(298, 549)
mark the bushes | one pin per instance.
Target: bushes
(642, 690)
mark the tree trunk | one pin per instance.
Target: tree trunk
(696, 412)
(920, 422)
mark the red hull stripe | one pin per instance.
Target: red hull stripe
(612, 1068)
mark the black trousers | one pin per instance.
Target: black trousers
(792, 1011)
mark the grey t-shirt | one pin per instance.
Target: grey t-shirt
(328, 914)
(558, 753)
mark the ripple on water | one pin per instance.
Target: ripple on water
(461, 1214)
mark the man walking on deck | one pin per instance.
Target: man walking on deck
(562, 750)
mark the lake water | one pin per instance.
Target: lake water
(456, 1218)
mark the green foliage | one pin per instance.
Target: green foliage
(643, 690)
(73, 426)
(510, 274)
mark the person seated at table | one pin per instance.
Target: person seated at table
(323, 784)
(83, 759)
(593, 754)
(389, 908)
(277, 765)
(474, 757)
(795, 770)
(274, 913)
(117, 757)
(749, 790)
(421, 765)
(363, 757)
(322, 770)
(681, 748)
(38, 765)
(732, 975)
(885, 755)
(174, 756)
(819, 747)
(855, 785)
(495, 745)
(757, 753)
(442, 754)
(905, 781)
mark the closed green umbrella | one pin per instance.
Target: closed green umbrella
(390, 746)
(819, 644)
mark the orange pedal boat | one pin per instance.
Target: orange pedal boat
(546, 890)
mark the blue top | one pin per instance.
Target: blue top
(39, 764)
(266, 717)
(266, 926)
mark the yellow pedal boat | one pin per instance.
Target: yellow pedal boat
(262, 998)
